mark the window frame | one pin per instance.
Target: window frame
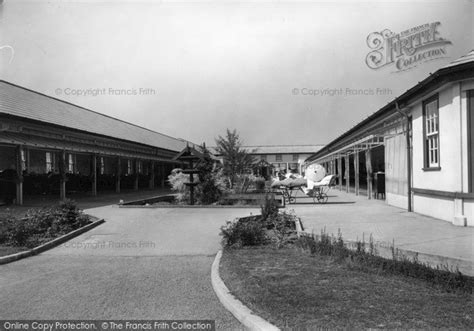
(427, 148)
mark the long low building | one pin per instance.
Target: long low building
(419, 148)
(49, 146)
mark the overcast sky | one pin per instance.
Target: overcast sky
(207, 66)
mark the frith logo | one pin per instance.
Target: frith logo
(407, 49)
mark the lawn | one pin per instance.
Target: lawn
(292, 289)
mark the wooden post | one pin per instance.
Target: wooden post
(62, 172)
(162, 175)
(356, 171)
(117, 175)
(339, 170)
(94, 175)
(152, 175)
(19, 179)
(368, 166)
(135, 186)
(347, 172)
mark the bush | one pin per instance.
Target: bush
(212, 183)
(210, 176)
(243, 232)
(177, 180)
(40, 225)
(283, 228)
(269, 208)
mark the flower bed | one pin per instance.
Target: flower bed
(39, 226)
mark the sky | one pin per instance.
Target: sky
(277, 72)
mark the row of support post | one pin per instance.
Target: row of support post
(335, 166)
(63, 175)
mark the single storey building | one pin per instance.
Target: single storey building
(52, 147)
(420, 148)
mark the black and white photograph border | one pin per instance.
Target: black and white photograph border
(232, 165)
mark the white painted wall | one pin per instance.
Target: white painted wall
(448, 178)
(435, 207)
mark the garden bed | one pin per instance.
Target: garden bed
(290, 288)
(40, 226)
(236, 200)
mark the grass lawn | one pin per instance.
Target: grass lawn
(293, 289)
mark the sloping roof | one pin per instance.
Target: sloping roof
(469, 57)
(458, 69)
(19, 101)
(278, 149)
(283, 149)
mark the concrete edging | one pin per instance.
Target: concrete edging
(50, 244)
(242, 313)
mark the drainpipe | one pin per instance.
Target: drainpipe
(409, 163)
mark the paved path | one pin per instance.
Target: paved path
(357, 216)
(140, 264)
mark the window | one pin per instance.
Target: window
(129, 167)
(71, 163)
(263, 157)
(23, 160)
(293, 168)
(139, 167)
(296, 157)
(102, 165)
(49, 162)
(431, 134)
(278, 158)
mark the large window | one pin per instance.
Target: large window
(431, 134)
(470, 130)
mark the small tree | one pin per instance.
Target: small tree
(236, 160)
(209, 190)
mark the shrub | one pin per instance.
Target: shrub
(210, 188)
(283, 227)
(177, 180)
(40, 225)
(243, 232)
(269, 208)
